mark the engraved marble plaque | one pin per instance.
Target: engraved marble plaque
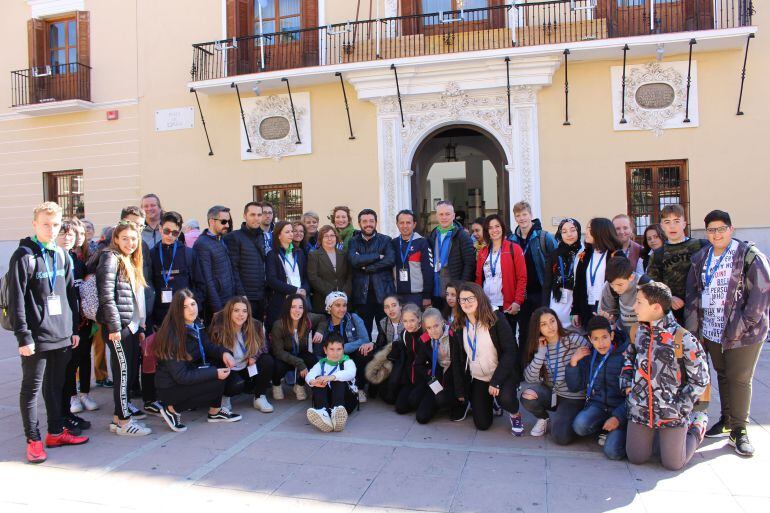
(657, 95)
(274, 127)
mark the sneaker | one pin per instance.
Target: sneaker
(71, 425)
(540, 427)
(497, 410)
(79, 422)
(299, 391)
(136, 413)
(104, 383)
(262, 404)
(320, 419)
(131, 428)
(698, 421)
(361, 396)
(35, 451)
(226, 403)
(718, 430)
(517, 425)
(153, 407)
(223, 415)
(64, 438)
(278, 392)
(88, 403)
(75, 405)
(739, 439)
(460, 411)
(602, 439)
(339, 418)
(174, 420)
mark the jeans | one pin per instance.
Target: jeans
(561, 416)
(43, 369)
(371, 311)
(482, 402)
(280, 368)
(590, 421)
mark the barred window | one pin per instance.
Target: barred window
(653, 185)
(66, 189)
(285, 198)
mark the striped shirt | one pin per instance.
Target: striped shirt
(567, 347)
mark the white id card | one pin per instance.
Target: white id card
(166, 296)
(553, 400)
(403, 275)
(252, 370)
(53, 304)
(435, 386)
(705, 299)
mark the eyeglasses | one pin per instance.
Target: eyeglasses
(718, 229)
(168, 231)
(224, 221)
(467, 300)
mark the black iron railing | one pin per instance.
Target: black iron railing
(44, 84)
(523, 24)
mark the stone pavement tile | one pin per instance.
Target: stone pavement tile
(374, 509)
(599, 496)
(515, 468)
(402, 490)
(249, 474)
(588, 472)
(698, 474)
(86, 457)
(378, 421)
(287, 450)
(317, 481)
(13, 449)
(499, 435)
(217, 436)
(742, 476)
(754, 504)
(484, 492)
(441, 430)
(174, 458)
(426, 462)
(695, 499)
(354, 456)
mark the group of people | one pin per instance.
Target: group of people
(592, 333)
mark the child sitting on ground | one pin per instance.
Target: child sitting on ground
(332, 381)
(619, 293)
(597, 372)
(665, 372)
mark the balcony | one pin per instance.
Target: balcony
(56, 89)
(550, 24)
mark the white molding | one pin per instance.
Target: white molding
(43, 8)
(23, 112)
(224, 21)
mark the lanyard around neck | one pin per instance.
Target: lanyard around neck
(592, 272)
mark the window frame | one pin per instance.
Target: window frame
(51, 191)
(280, 207)
(655, 166)
(66, 19)
(276, 19)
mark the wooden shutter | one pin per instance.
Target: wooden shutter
(84, 37)
(412, 25)
(36, 42)
(240, 17)
(497, 16)
(308, 20)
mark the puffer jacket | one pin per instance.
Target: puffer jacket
(173, 373)
(247, 255)
(214, 275)
(748, 297)
(537, 238)
(663, 388)
(461, 262)
(116, 297)
(369, 270)
(606, 392)
(411, 360)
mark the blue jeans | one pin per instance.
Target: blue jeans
(590, 421)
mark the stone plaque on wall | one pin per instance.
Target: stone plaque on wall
(274, 127)
(270, 123)
(656, 95)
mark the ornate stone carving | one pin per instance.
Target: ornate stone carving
(525, 154)
(262, 109)
(388, 168)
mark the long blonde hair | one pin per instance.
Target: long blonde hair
(224, 333)
(129, 266)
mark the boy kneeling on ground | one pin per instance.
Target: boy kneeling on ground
(330, 379)
(664, 374)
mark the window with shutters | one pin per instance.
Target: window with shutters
(66, 189)
(62, 45)
(653, 185)
(285, 198)
(278, 16)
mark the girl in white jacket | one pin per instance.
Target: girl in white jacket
(332, 381)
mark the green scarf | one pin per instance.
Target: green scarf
(329, 362)
(50, 245)
(444, 231)
(290, 249)
(345, 235)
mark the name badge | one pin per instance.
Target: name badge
(252, 370)
(403, 275)
(554, 399)
(705, 299)
(435, 386)
(166, 296)
(53, 304)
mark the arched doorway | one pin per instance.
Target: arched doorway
(464, 164)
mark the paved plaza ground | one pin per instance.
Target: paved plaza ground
(381, 462)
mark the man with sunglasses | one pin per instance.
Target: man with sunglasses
(215, 279)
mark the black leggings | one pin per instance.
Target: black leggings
(482, 402)
(281, 368)
(79, 364)
(258, 383)
(43, 369)
(431, 403)
(187, 397)
(124, 362)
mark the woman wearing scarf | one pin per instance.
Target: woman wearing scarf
(285, 270)
(341, 219)
(560, 270)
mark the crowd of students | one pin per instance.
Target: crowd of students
(593, 334)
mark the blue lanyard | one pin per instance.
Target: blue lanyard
(341, 325)
(443, 247)
(332, 371)
(709, 277)
(166, 275)
(286, 260)
(475, 338)
(405, 255)
(554, 371)
(493, 263)
(196, 329)
(594, 374)
(593, 272)
(561, 269)
(51, 275)
(241, 344)
(434, 360)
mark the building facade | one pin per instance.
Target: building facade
(581, 107)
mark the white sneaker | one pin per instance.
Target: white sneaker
(540, 427)
(132, 428)
(278, 393)
(320, 419)
(75, 405)
(361, 396)
(226, 403)
(339, 418)
(88, 403)
(262, 404)
(299, 391)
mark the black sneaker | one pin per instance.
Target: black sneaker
(104, 383)
(80, 421)
(72, 426)
(174, 420)
(136, 413)
(223, 415)
(718, 430)
(460, 411)
(153, 407)
(739, 439)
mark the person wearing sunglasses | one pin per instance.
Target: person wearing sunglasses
(215, 278)
(172, 264)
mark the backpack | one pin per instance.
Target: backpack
(5, 319)
(89, 297)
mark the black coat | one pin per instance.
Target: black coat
(116, 297)
(173, 373)
(369, 269)
(411, 363)
(214, 276)
(507, 351)
(277, 282)
(247, 255)
(462, 255)
(182, 268)
(580, 305)
(324, 279)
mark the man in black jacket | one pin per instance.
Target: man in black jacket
(454, 258)
(372, 257)
(247, 254)
(214, 275)
(43, 309)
